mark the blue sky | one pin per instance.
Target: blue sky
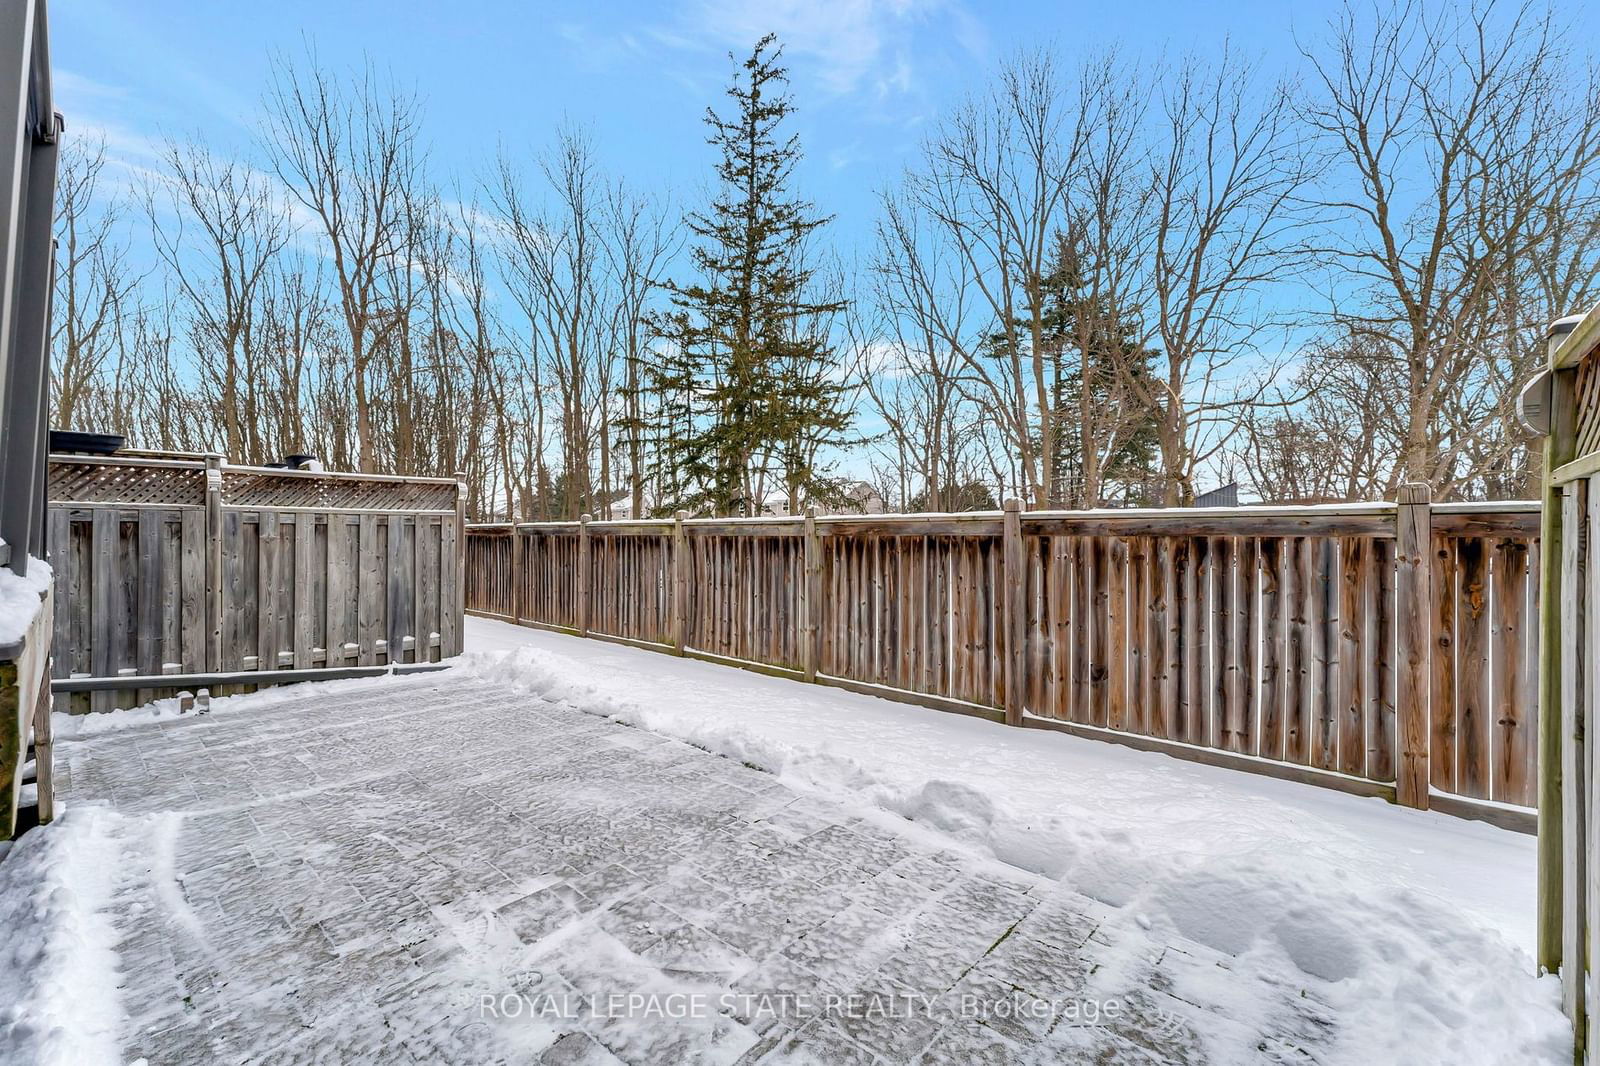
(868, 74)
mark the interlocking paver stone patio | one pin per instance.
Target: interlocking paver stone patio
(446, 870)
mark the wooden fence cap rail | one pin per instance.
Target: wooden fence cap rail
(913, 516)
(335, 475)
(974, 523)
(1198, 523)
(760, 520)
(624, 525)
(744, 527)
(547, 527)
(121, 459)
(1489, 507)
(1131, 514)
(1274, 519)
(1578, 342)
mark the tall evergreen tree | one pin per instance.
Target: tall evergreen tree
(745, 387)
(1090, 343)
(1089, 348)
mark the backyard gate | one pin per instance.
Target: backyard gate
(185, 564)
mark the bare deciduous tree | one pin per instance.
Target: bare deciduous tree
(347, 152)
(910, 370)
(555, 259)
(94, 287)
(217, 227)
(1223, 227)
(1461, 153)
(640, 239)
(994, 181)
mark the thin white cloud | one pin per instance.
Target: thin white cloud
(850, 46)
(882, 360)
(71, 86)
(132, 159)
(599, 51)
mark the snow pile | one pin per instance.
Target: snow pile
(1411, 927)
(58, 999)
(20, 598)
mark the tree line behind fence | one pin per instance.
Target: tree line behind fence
(1275, 633)
(190, 566)
(1100, 278)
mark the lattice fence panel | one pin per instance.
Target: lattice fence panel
(255, 488)
(172, 485)
(1589, 405)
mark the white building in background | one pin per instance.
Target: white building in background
(621, 509)
(860, 498)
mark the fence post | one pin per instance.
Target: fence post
(213, 548)
(680, 581)
(1013, 606)
(516, 573)
(811, 595)
(582, 577)
(457, 602)
(1560, 447)
(1574, 759)
(1413, 611)
(44, 749)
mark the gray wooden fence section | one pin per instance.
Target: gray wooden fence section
(189, 565)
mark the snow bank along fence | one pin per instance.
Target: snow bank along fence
(189, 566)
(1384, 649)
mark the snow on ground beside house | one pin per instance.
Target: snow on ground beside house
(20, 598)
(1415, 927)
(59, 948)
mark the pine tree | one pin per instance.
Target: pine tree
(1089, 343)
(744, 390)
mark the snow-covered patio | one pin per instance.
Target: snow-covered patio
(543, 856)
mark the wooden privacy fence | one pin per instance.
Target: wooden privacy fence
(1387, 648)
(188, 565)
(1563, 403)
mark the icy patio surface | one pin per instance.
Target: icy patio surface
(347, 878)
(570, 851)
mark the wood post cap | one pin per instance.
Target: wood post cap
(1415, 492)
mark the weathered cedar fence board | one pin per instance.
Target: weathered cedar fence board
(167, 566)
(1563, 404)
(1384, 648)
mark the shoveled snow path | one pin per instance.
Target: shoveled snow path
(1416, 926)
